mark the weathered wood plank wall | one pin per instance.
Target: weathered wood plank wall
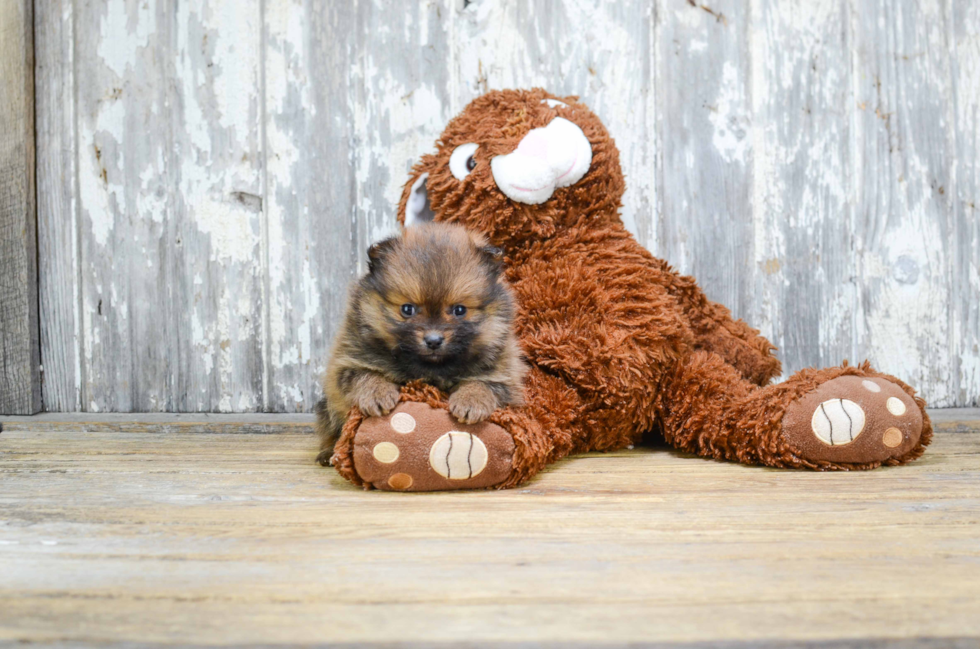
(211, 172)
(20, 359)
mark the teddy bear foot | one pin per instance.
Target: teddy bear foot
(853, 421)
(420, 448)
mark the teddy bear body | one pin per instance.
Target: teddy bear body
(619, 344)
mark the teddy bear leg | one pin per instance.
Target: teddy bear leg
(715, 330)
(834, 418)
(419, 446)
(742, 347)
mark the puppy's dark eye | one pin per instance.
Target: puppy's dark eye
(408, 310)
(459, 310)
(471, 163)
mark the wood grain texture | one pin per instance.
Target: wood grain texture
(214, 146)
(707, 148)
(814, 164)
(122, 120)
(59, 275)
(904, 164)
(20, 360)
(950, 420)
(806, 283)
(199, 422)
(169, 207)
(963, 32)
(353, 93)
(204, 538)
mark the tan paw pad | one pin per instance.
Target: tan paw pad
(402, 422)
(458, 456)
(870, 386)
(386, 452)
(895, 406)
(837, 421)
(400, 481)
(892, 437)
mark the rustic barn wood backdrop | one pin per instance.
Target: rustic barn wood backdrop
(20, 352)
(210, 173)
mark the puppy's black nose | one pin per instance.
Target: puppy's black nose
(433, 341)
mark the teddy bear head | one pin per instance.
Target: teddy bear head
(516, 165)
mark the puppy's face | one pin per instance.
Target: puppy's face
(435, 295)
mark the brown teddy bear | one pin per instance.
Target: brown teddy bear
(618, 343)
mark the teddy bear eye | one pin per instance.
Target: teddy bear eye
(462, 160)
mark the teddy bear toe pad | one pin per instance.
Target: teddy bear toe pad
(854, 420)
(420, 448)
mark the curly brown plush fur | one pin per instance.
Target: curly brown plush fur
(619, 343)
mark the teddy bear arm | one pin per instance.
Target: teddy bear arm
(614, 339)
(420, 446)
(620, 259)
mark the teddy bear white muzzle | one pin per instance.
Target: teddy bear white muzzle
(557, 155)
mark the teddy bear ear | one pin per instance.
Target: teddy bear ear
(415, 208)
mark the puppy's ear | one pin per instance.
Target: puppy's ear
(377, 253)
(493, 258)
(493, 253)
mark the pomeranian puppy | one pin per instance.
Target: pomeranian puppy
(433, 306)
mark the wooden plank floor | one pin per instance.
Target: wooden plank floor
(117, 533)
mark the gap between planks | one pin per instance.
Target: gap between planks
(943, 419)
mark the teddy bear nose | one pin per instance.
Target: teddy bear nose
(556, 155)
(534, 145)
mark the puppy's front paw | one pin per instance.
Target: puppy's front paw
(378, 399)
(472, 403)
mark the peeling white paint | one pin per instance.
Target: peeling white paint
(123, 32)
(202, 343)
(231, 229)
(731, 125)
(103, 194)
(235, 86)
